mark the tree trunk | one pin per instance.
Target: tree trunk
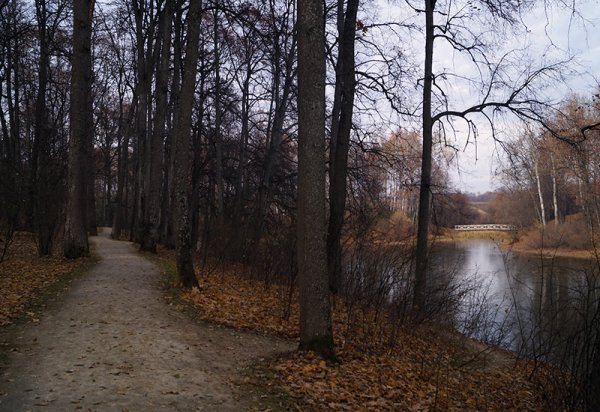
(315, 306)
(241, 172)
(154, 168)
(424, 216)
(554, 192)
(276, 134)
(90, 178)
(40, 190)
(75, 238)
(218, 145)
(540, 195)
(340, 143)
(143, 91)
(169, 229)
(183, 150)
(120, 202)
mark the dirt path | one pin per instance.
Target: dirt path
(113, 344)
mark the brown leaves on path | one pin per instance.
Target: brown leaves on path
(24, 275)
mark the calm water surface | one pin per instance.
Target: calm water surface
(523, 303)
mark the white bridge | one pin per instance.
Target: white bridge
(485, 227)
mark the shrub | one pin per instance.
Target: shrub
(573, 234)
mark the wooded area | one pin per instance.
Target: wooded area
(259, 133)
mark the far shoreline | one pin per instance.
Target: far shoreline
(508, 241)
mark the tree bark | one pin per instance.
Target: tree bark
(340, 143)
(280, 100)
(143, 57)
(424, 214)
(154, 168)
(315, 306)
(183, 150)
(554, 191)
(540, 194)
(90, 178)
(169, 227)
(40, 195)
(75, 238)
(123, 167)
(217, 140)
(244, 138)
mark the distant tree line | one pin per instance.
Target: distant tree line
(550, 176)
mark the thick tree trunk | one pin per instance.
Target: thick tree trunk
(197, 166)
(424, 216)
(340, 143)
(75, 238)
(183, 150)
(143, 57)
(90, 180)
(154, 167)
(10, 121)
(169, 227)
(315, 306)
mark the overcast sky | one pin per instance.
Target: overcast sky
(575, 37)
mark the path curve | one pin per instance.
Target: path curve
(114, 344)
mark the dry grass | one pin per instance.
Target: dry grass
(450, 235)
(568, 239)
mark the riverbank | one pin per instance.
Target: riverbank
(383, 364)
(517, 242)
(558, 252)
(451, 235)
(572, 239)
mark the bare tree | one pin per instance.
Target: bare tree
(183, 150)
(155, 165)
(507, 85)
(44, 190)
(281, 50)
(123, 86)
(341, 126)
(75, 240)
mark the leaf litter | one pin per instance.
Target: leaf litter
(24, 275)
(414, 369)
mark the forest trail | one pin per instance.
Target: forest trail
(112, 343)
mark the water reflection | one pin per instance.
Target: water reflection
(528, 304)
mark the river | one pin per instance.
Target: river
(529, 304)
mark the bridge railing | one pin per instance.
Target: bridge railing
(486, 227)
